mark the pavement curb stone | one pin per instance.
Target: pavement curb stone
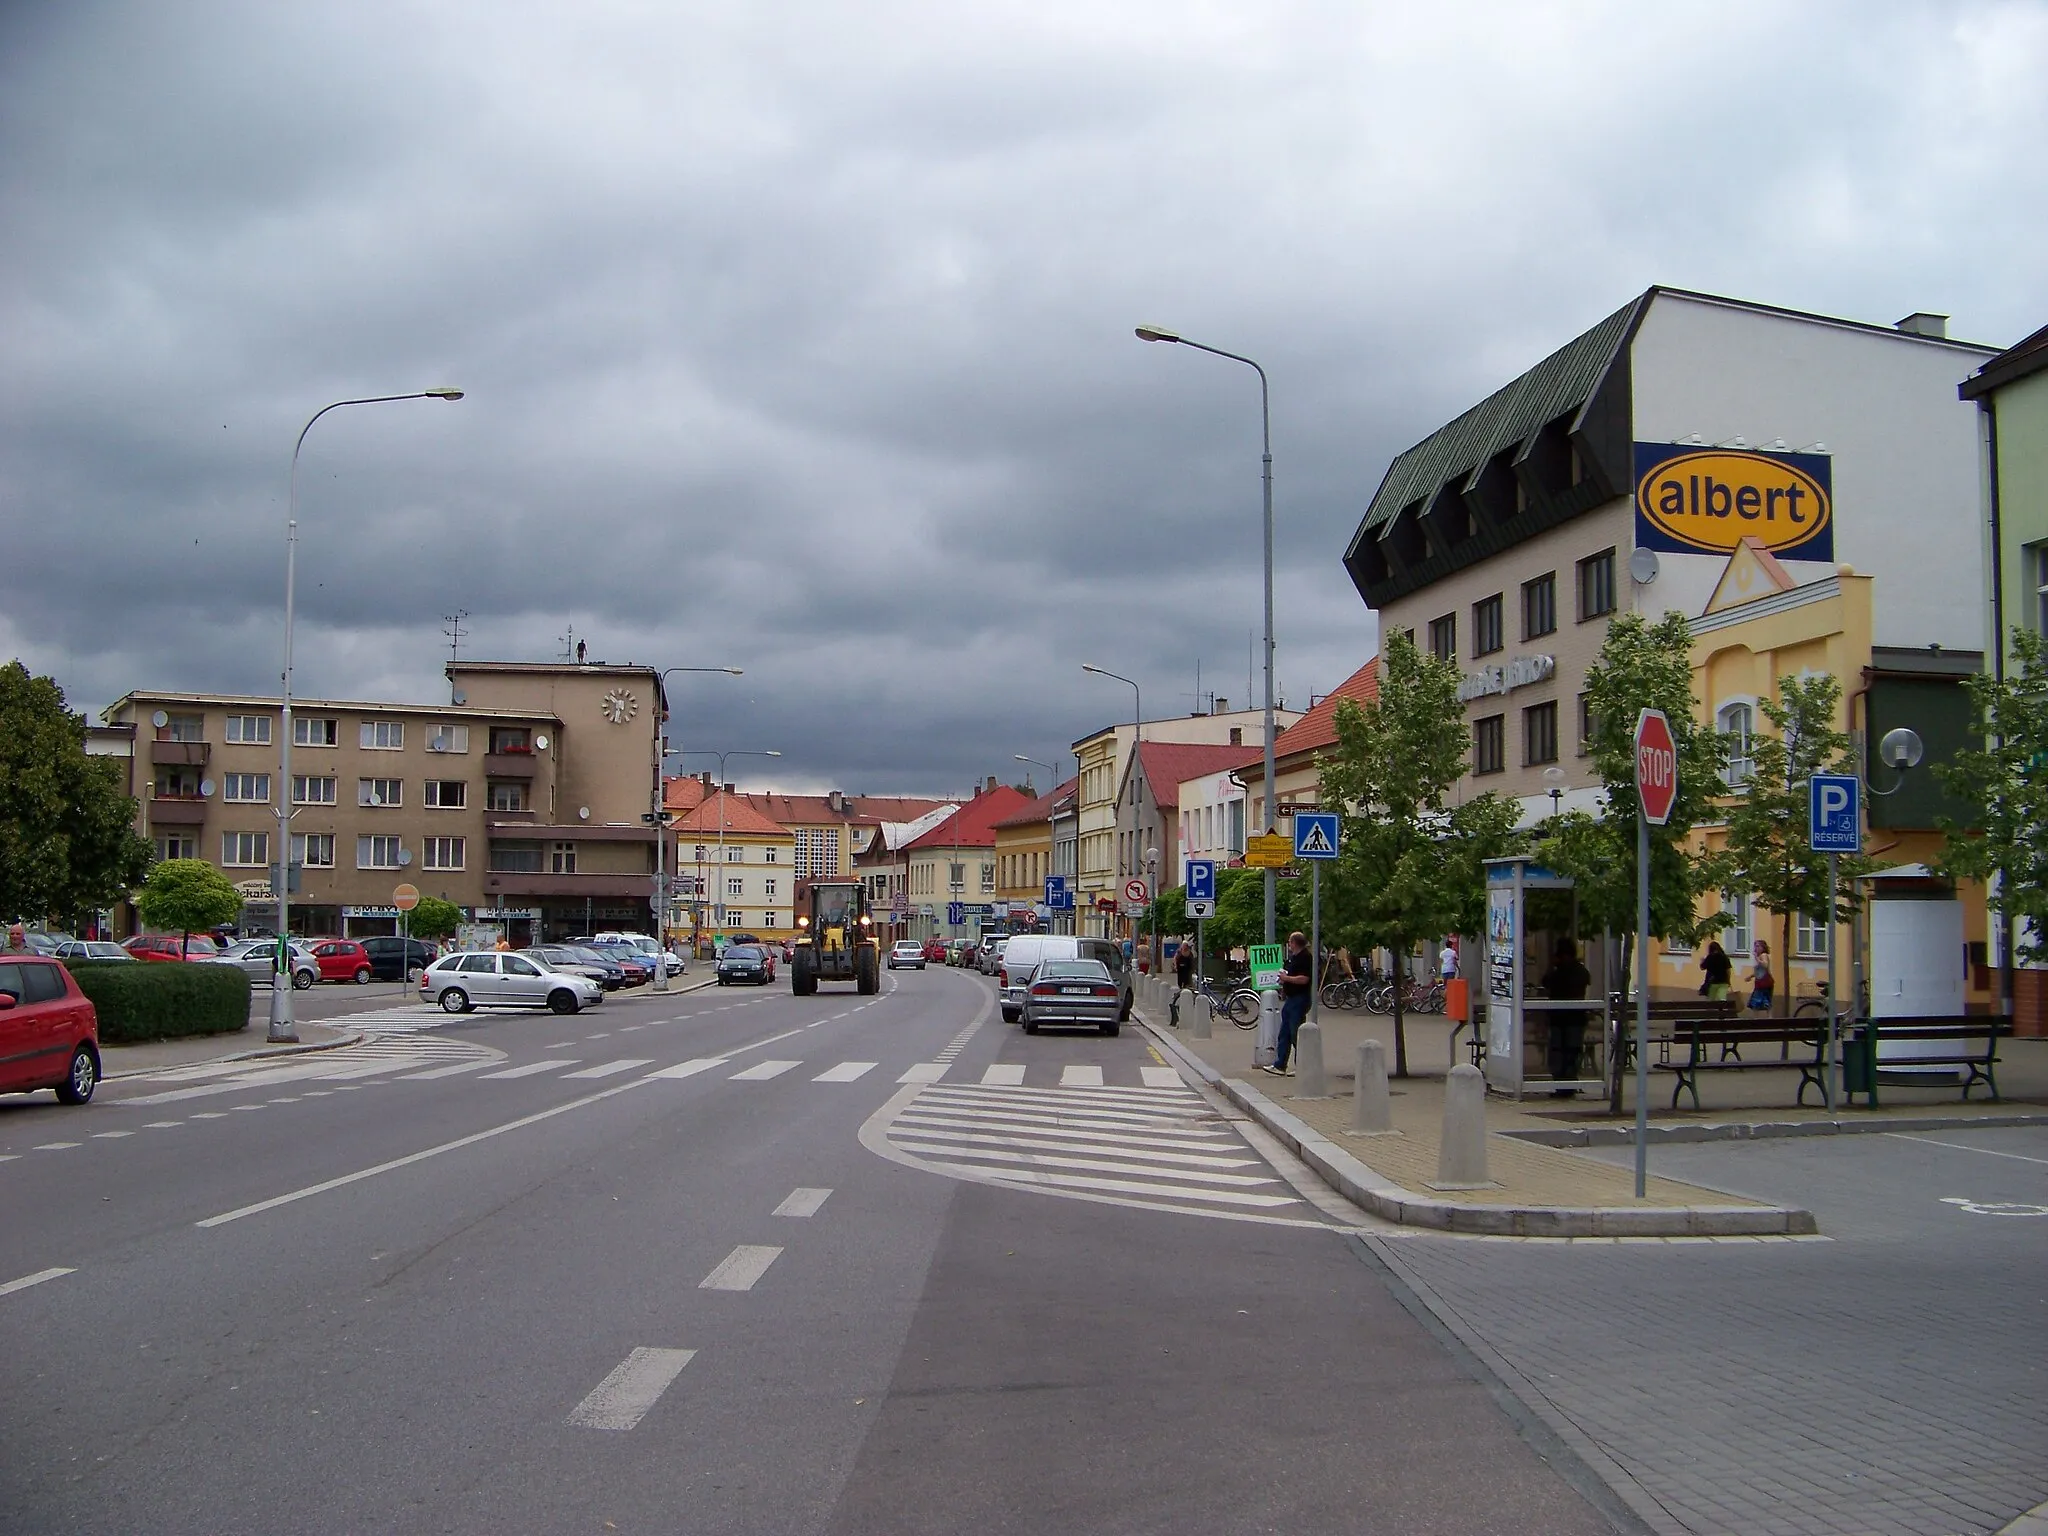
(1764, 1130)
(1376, 1193)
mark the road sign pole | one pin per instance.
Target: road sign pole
(1315, 942)
(1834, 1010)
(1201, 976)
(1642, 1001)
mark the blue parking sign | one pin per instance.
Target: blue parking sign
(1201, 880)
(1834, 813)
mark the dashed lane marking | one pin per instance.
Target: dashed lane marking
(741, 1269)
(687, 1068)
(608, 1068)
(925, 1072)
(803, 1202)
(1079, 1076)
(1160, 1077)
(634, 1386)
(530, 1069)
(1003, 1075)
(11, 1286)
(846, 1072)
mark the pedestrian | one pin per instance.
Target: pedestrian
(1567, 978)
(1763, 986)
(1184, 965)
(1716, 969)
(1447, 961)
(1296, 980)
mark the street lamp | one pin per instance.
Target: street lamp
(722, 756)
(283, 1029)
(1137, 736)
(1157, 333)
(658, 819)
(1554, 776)
(1152, 864)
(1035, 763)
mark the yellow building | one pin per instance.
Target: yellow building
(1024, 850)
(738, 869)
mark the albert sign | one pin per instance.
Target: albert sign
(1707, 500)
(1656, 766)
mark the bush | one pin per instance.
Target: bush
(138, 1000)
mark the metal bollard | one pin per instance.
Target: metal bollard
(1372, 1109)
(1268, 1045)
(1461, 1156)
(1310, 1081)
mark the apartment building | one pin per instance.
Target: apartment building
(1148, 807)
(1024, 846)
(737, 867)
(955, 862)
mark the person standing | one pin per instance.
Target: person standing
(1567, 978)
(1716, 969)
(1184, 965)
(1763, 985)
(1296, 979)
(1447, 961)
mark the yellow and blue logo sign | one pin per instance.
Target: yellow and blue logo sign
(1707, 500)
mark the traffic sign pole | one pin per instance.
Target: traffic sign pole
(1642, 1000)
(1315, 942)
(1834, 1012)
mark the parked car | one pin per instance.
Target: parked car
(396, 959)
(258, 960)
(638, 967)
(906, 952)
(1027, 951)
(343, 960)
(649, 949)
(37, 942)
(92, 949)
(746, 962)
(612, 975)
(1072, 992)
(49, 1033)
(988, 958)
(960, 952)
(166, 946)
(578, 962)
(474, 979)
(935, 951)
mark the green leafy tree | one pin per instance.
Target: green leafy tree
(187, 896)
(433, 919)
(1240, 919)
(2006, 781)
(67, 825)
(1768, 854)
(1409, 862)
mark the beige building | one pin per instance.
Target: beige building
(738, 870)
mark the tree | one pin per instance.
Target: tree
(187, 895)
(1409, 862)
(1768, 854)
(433, 919)
(67, 825)
(2006, 780)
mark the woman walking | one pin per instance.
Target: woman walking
(1717, 969)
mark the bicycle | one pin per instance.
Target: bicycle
(1239, 1004)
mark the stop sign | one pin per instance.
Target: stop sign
(1656, 766)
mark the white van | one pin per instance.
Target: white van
(1025, 951)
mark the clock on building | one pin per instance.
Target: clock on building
(619, 706)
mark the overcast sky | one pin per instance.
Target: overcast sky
(797, 337)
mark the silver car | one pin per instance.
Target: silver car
(91, 949)
(499, 979)
(1073, 992)
(989, 959)
(258, 960)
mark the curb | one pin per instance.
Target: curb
(1375, 1193)
(263, 1055)
(1765, 1130)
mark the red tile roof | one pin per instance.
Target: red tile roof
(1318, 728)
(974, 824)
(731, 812)
(815, 810)
(685, 793)
(1040, 809)
(1167, 764)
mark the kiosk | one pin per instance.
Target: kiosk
(1518, 1016)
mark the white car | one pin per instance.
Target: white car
(648, 948)
(906, 952)
(499, 979)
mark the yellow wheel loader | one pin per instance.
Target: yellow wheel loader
(836, 940)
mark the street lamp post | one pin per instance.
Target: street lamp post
(1152, 864)
(1137, 737)
(1157, 333)
(658, 817)
(283, 1028)
(722, 756)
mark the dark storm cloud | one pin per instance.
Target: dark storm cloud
(799, 338)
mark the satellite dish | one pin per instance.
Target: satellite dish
(583, 813)
(1644, 565)
(404, 857)
(540, 743)
(1900, 748)
(159, 719)
(205, 788)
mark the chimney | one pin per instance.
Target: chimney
(992, 778)
(1223, 705)
(1237, 731)
(837, 800)
(1920, 323)
(731, 787)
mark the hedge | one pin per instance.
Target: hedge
(142, 1000)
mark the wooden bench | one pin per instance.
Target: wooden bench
(1664, 1018)
(1700, 1033)
(1980, 1062)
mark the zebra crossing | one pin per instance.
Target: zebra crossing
(412, 1053)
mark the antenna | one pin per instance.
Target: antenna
(568, 644)
(451, 626)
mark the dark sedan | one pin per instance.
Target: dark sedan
(746, 962)
(396, 959)
(1072, 992)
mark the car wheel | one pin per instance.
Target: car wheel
(302, 980)
(1112, 1028)
(414, 972)
(1030, 1025)
(83, 1077)
(562, 1000)
(1009, 1015)
(455, 1000)
(362, 975)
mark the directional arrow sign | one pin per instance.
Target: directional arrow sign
(1315, 834)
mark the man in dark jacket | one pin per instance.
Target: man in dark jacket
(1295, 981)
(1566, 978)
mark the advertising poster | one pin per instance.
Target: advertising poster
(1705, 501)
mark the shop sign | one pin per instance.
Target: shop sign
(255, 890)
(1518, 673)
(486, 914)
(1708, 500)
(369, 911)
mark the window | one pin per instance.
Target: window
(380, 792)
(1489, 744)
(447, 794)
(1539, 733)
(517, 965)
(377, 852)
(308, 789)
(381, 736)
(1539, 606)
(562, 858)
(1587, 724)
(1443, 637)
(768, 855)
(511, 738)
(1486, 626)
(315, 850)
(516, 858)
(735, 918)
(244, 850)
(768, 889)
(251, 787)
(736, 854)
(442, 853)
(1736, 936)
(480, 965)
(988, 878)
(249, 730)
(956, 876)
(768, 920)
(735, 886)
(2037, 572)
(1735, 722)
(177, 845)
(185, 728)
(1596, 585)
(448, 738)
(1809, 936)
(507, 797)
(310, 732)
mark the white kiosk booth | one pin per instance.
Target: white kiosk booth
(1519, 1018)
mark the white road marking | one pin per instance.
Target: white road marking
(59, 1146)
(761, 1071)
(1161, 1077)
(601, 1034)
(1010, 1159)
(1000, 1076)
(9, 1157)
(846, 1072)
(310, 1093)
(110, 1135)
(1146, 1151)
(1123, 1186)
(1041, 1127)
(531, 1068)
(803, 1202)
(1957, 1146)
(35, 1279)
(925, 1072)
(284, 1101)
(162, 1125)
(688, 1068)
(211, 1114)
(433, 1072)
(244, 1108)
(1079, 1076)
(635, 1385)
(741, 1268)
(608, 1068)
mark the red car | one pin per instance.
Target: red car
(343, 960)
(49, 1033)
(164, 946)
(935, 951)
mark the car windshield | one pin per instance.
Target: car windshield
(742, 952)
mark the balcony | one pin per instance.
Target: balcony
(510, 765)
(179, 754)
(176, 810)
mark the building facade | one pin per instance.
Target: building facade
(736, 868)
(1296, 756)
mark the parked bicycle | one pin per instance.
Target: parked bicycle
(1237, 1002)
(1420, 996)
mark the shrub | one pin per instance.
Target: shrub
(137, 1000)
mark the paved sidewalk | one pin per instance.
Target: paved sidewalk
(246, 1044)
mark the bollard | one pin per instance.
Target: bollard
(1194, 1012)
(1372, 1110)
(1268, 1044)
(1461, 1157)
(1309, 1081)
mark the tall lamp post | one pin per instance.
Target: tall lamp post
(1152, 864)
(722, 756)
(658, 819)
(283, 1028)
(1137, 736)
(1158, 333)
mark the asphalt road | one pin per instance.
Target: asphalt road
(732, 1261)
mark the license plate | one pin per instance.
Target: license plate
(1077, 991)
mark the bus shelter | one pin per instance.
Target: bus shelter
(1529, 910)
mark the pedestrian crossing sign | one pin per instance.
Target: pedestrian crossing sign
(1315, 834)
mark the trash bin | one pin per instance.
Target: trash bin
(1859, 1064)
